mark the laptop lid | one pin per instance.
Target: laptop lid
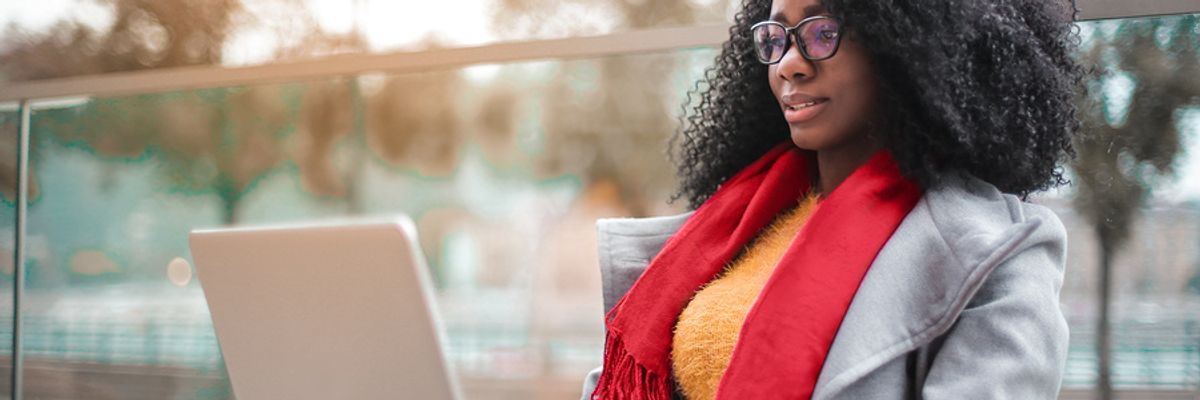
(324, 311)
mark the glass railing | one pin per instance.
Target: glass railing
(262, 32)
(505, 169)
(1137, 176)
(9, 123)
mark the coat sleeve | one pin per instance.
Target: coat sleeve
(1010, 342)
(589, 384)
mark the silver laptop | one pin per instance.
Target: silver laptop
(336, 310)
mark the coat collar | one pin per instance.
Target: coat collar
(924, 276)
(959, 231)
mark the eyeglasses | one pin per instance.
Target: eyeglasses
(818, 37)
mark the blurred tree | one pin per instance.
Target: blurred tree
(210, 140)
(593, 129)
(540, 18)
(331, 111)
(605, 122)
(1121, 155)
(144, 34)
(614, 132)
(496, 124)
(8, 161)
(413, 120)
(213, 140)
(327, 115)
(1193, 284)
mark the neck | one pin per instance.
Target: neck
(835, 165)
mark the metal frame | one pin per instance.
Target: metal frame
(165, 80)
(18, 359)
(792, 34)
(632, 42)
(172, 79)
(1105, 9)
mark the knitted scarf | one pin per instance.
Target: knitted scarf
(787, 332)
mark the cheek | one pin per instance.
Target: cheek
(858, 91)
(773, 79)
(866, 92)
(858, 81)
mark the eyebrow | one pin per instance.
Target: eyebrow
(809, 11)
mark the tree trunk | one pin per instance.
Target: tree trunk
(1103, 331)
(228, 211)
(230, 197)
(358, 134)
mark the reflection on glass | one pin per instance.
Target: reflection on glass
(504, 169)
(1135, 206)
(101, 36)
(9, 120)
(117, 180)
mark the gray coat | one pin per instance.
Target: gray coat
(962, 301)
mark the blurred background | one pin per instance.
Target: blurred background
(504, 167)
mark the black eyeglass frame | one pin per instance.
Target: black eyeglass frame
(793, 35)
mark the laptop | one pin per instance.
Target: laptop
(332, 310)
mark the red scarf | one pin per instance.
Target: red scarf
(788, 330)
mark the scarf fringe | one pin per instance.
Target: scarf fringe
(624, 378)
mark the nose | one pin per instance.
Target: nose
(793, 66)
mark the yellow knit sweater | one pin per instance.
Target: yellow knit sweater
(709, 325)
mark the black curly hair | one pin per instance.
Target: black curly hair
(985, 88)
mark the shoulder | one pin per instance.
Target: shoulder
(625, 247)
(980, 224)
(646, 226)
(1015, 251)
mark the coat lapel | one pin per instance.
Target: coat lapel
(920, 282)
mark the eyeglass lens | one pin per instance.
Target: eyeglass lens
(819, 37)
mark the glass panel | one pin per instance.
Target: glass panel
(9, 120)
(504, 168)
(1136, 202)
(108, 312)
(121, 35)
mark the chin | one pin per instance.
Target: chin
(804, 139)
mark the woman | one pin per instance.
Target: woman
(857, 171)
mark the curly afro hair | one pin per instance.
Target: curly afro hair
(986, 89)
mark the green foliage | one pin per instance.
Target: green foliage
(218, 140)
(1120, 158)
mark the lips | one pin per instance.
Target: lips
(800, 107)
(803, 105)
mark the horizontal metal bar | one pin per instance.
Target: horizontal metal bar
(632, 42)
(172, 79)
(1105, 9)
(1145, 394)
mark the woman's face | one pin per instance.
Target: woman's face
(843, 86)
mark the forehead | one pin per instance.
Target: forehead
(792, 11)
